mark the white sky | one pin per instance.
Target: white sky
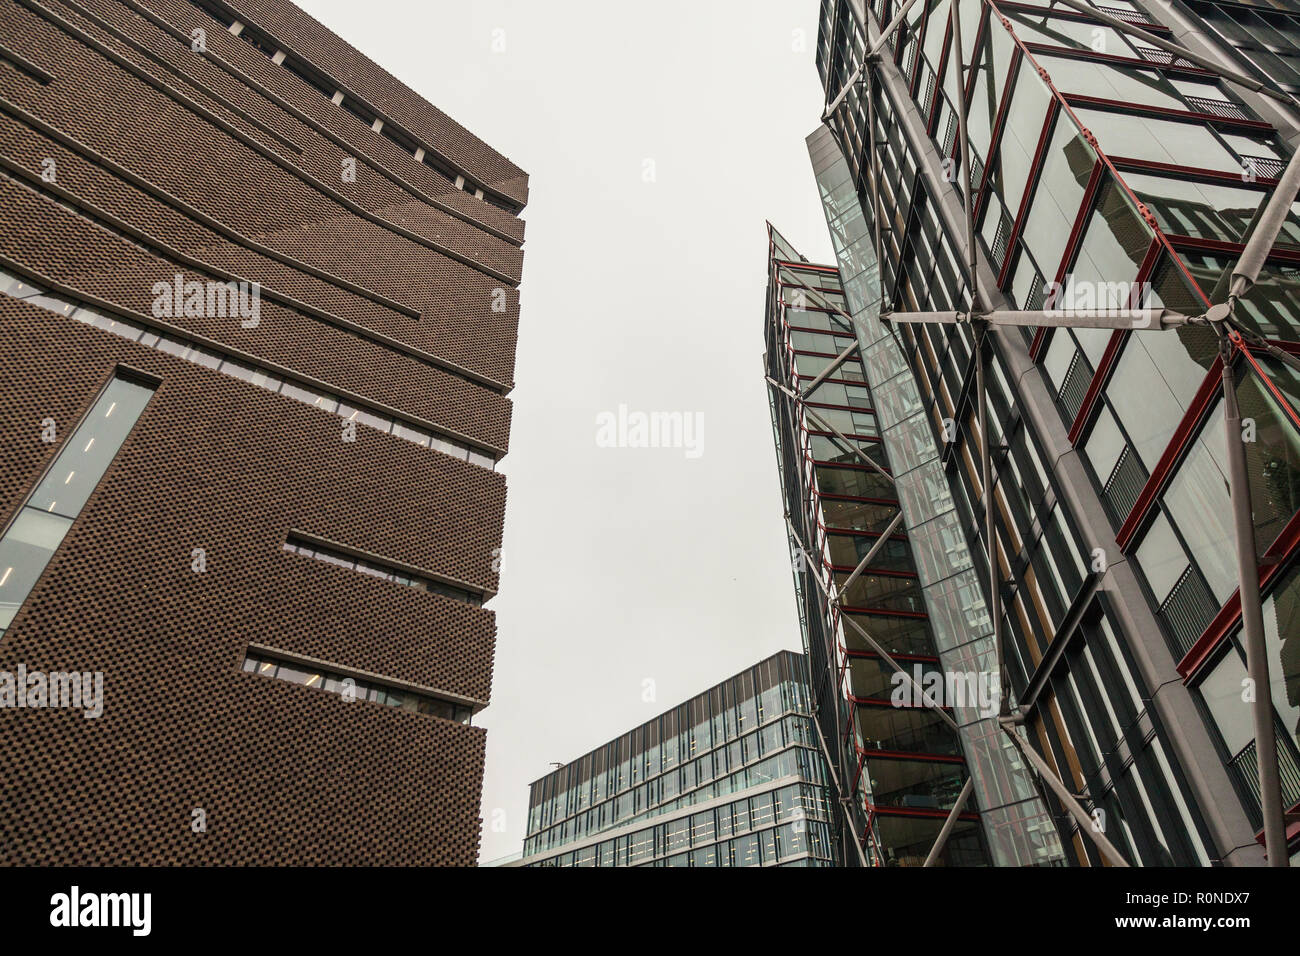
(627, 565)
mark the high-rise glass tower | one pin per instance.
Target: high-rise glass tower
(898, 769)
(1107, 170)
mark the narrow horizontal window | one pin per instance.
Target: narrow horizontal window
(309, 549)
(359, 108)
(38, 529)
(354, 688)
(307, 76)
(200, 355)
(258, 41)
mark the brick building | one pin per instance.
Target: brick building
(276, 554)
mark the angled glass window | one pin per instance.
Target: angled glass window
(1198, 503)
(40, 525)
(1158, 140)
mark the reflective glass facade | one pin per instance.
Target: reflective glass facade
(732, 777)
(1104, 172)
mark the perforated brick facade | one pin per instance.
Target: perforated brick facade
(394, 291)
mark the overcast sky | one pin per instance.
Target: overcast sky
(625, 565)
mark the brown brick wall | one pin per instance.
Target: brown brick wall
(284, 774)
(181, 151)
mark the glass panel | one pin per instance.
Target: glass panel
(1162, 558)
(1067, 167)
(1200, 210)
(307, 396)
(25, 550)
(84, 458)
(35, 533)
(1223, 691)
(1114, 244)
(1198, 503)
(1157, 140)
(1272, 460)
(352, 413)
(1104, 445)
(1142, 400)
(1282, 640)
(1272, 307)
(1125, 85)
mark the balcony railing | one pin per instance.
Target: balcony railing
(1188, 609)
(1125, 483)
(1131, 16)
(1156, 55)
(1215, 107)
(1245, 768)
(1000, 239)
(1265, 166)
(927, 88)
(908, 60)
(1074, 389)
(1037, 294)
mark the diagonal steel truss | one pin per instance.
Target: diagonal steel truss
(1233, 338)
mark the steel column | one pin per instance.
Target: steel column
(942, 839)
(1252, 618)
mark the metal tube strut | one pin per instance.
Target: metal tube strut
(826, 372)
(942, 839)
(885, 656)
(990, 524)
(968, 200)
(1261, 239)
(866, 558)
(1156, 318)
(1252, 618)
(1068, 800)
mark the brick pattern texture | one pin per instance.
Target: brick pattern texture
(383, 293)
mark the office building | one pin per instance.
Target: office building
(259, 314)
(731, 777)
